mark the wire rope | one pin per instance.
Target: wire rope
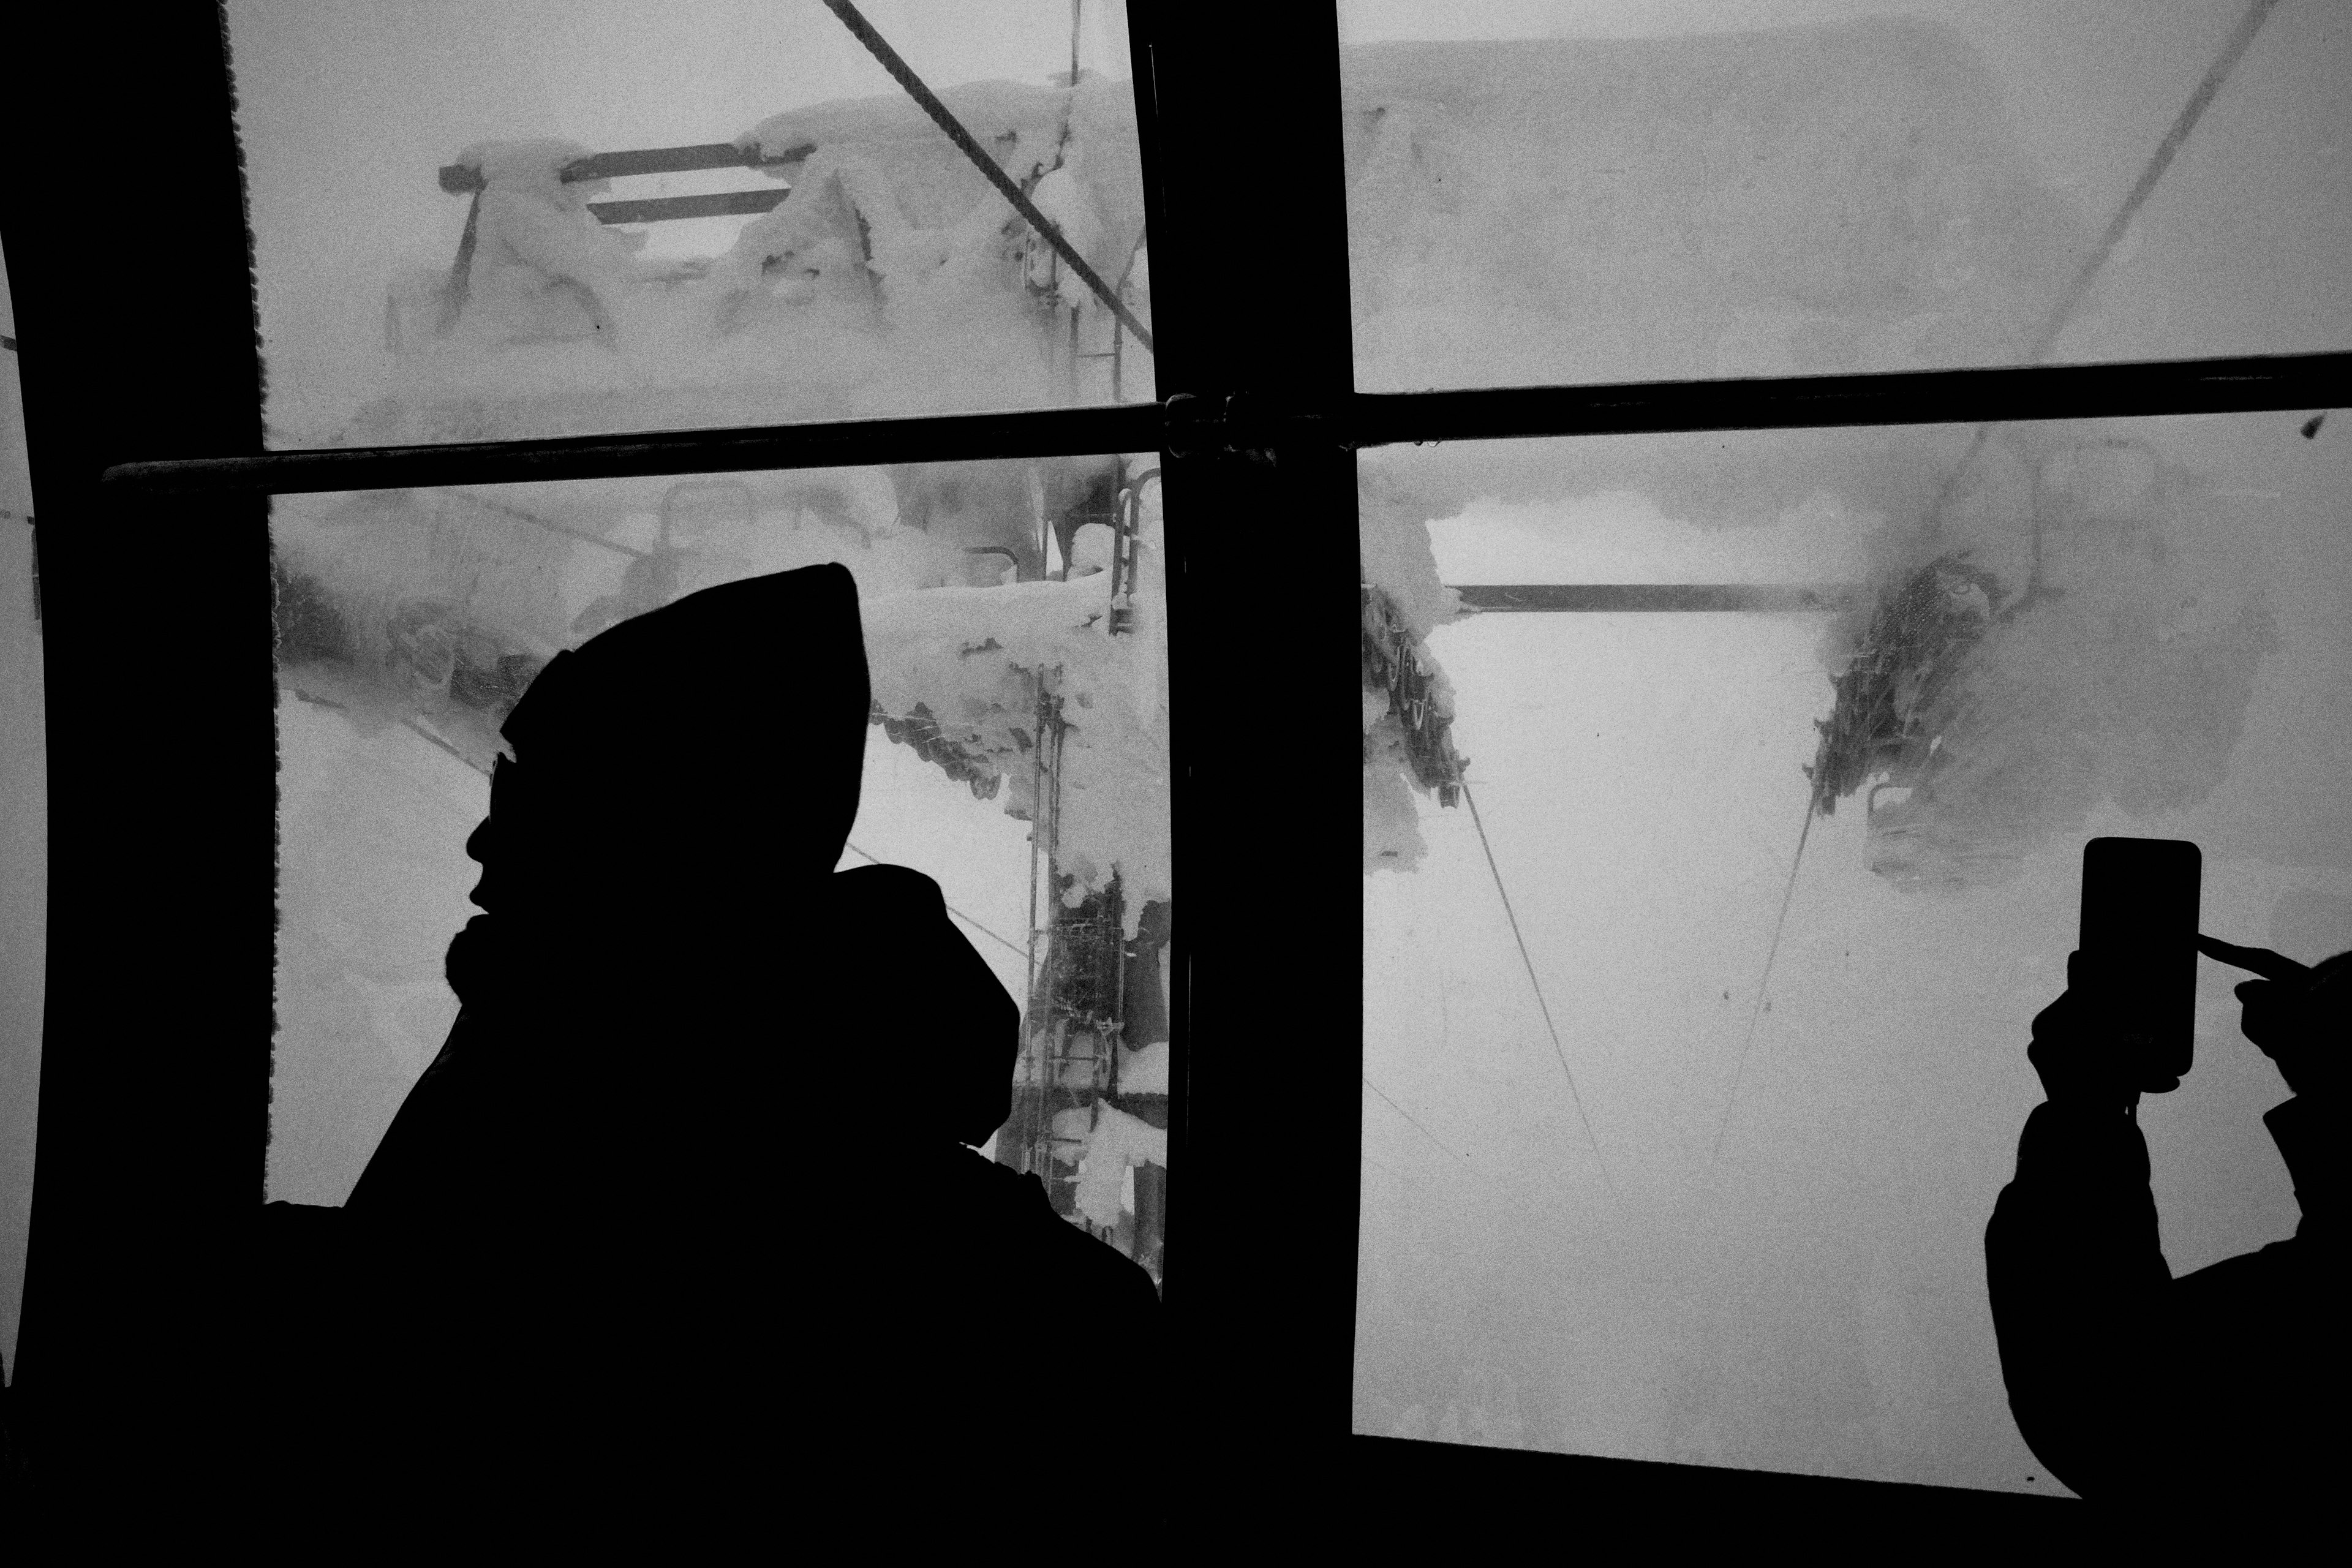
(1557, 1049)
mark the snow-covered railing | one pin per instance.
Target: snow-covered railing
(466, 176)
(464, 179)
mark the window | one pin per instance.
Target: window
(24, 850)
(1679, 1138)
(1703, 1173)
(870, 267)
(1245, 299)
(561, 222)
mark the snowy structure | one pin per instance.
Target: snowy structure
(892, 281)
(1408, 703)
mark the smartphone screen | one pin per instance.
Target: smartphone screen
(2139, 940)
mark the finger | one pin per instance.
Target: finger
(2260, 961)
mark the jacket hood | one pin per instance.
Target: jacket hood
(718, 741)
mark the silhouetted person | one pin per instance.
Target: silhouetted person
(682, 1222)
(2213, 1398)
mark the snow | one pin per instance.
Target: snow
(401, 598)
(1144, 1070)
(542, 269)
(919, 180)
(970, 656)
(1393, 549)
(1392, 840)
(1396, 560)
(2128, 679)
(1115, 1144)
(1845, 198)
(534, 165)
(1065, 204)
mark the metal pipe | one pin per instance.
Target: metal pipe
(847, 443)
(2297, 382)
(459, 178)
(1901, 397)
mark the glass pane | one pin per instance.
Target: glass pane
(433, 262)
(1737, 1220)
(1002, 603)
(24, 834)
(1609, 191)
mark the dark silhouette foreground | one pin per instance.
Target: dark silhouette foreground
(681, 1220)
(2218, 1398)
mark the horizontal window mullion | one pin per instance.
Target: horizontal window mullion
(1823, 402)
(847, 443)
(1358, 420)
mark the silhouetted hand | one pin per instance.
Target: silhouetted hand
(2082, 1059)
(2297, 1014)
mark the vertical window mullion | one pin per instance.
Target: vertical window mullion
(1250, 297)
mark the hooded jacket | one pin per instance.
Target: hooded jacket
(684, 1206)
(2215, 1395)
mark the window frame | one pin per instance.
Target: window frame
(154, 1114)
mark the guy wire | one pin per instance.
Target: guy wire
(1524, 958)
(1762, 988)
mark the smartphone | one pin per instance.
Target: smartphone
(2139, 945)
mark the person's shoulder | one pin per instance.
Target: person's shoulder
(883, 885)
(2261, 1290)
(1016, 1202)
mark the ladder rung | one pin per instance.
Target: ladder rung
(459, 178)
(659, 209)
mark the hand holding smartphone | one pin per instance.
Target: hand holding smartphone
(2137, 956)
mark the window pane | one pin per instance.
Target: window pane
(24, 833)
(891, 280)
(1609, 191)
(1812, 1298)
(1001, 602)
